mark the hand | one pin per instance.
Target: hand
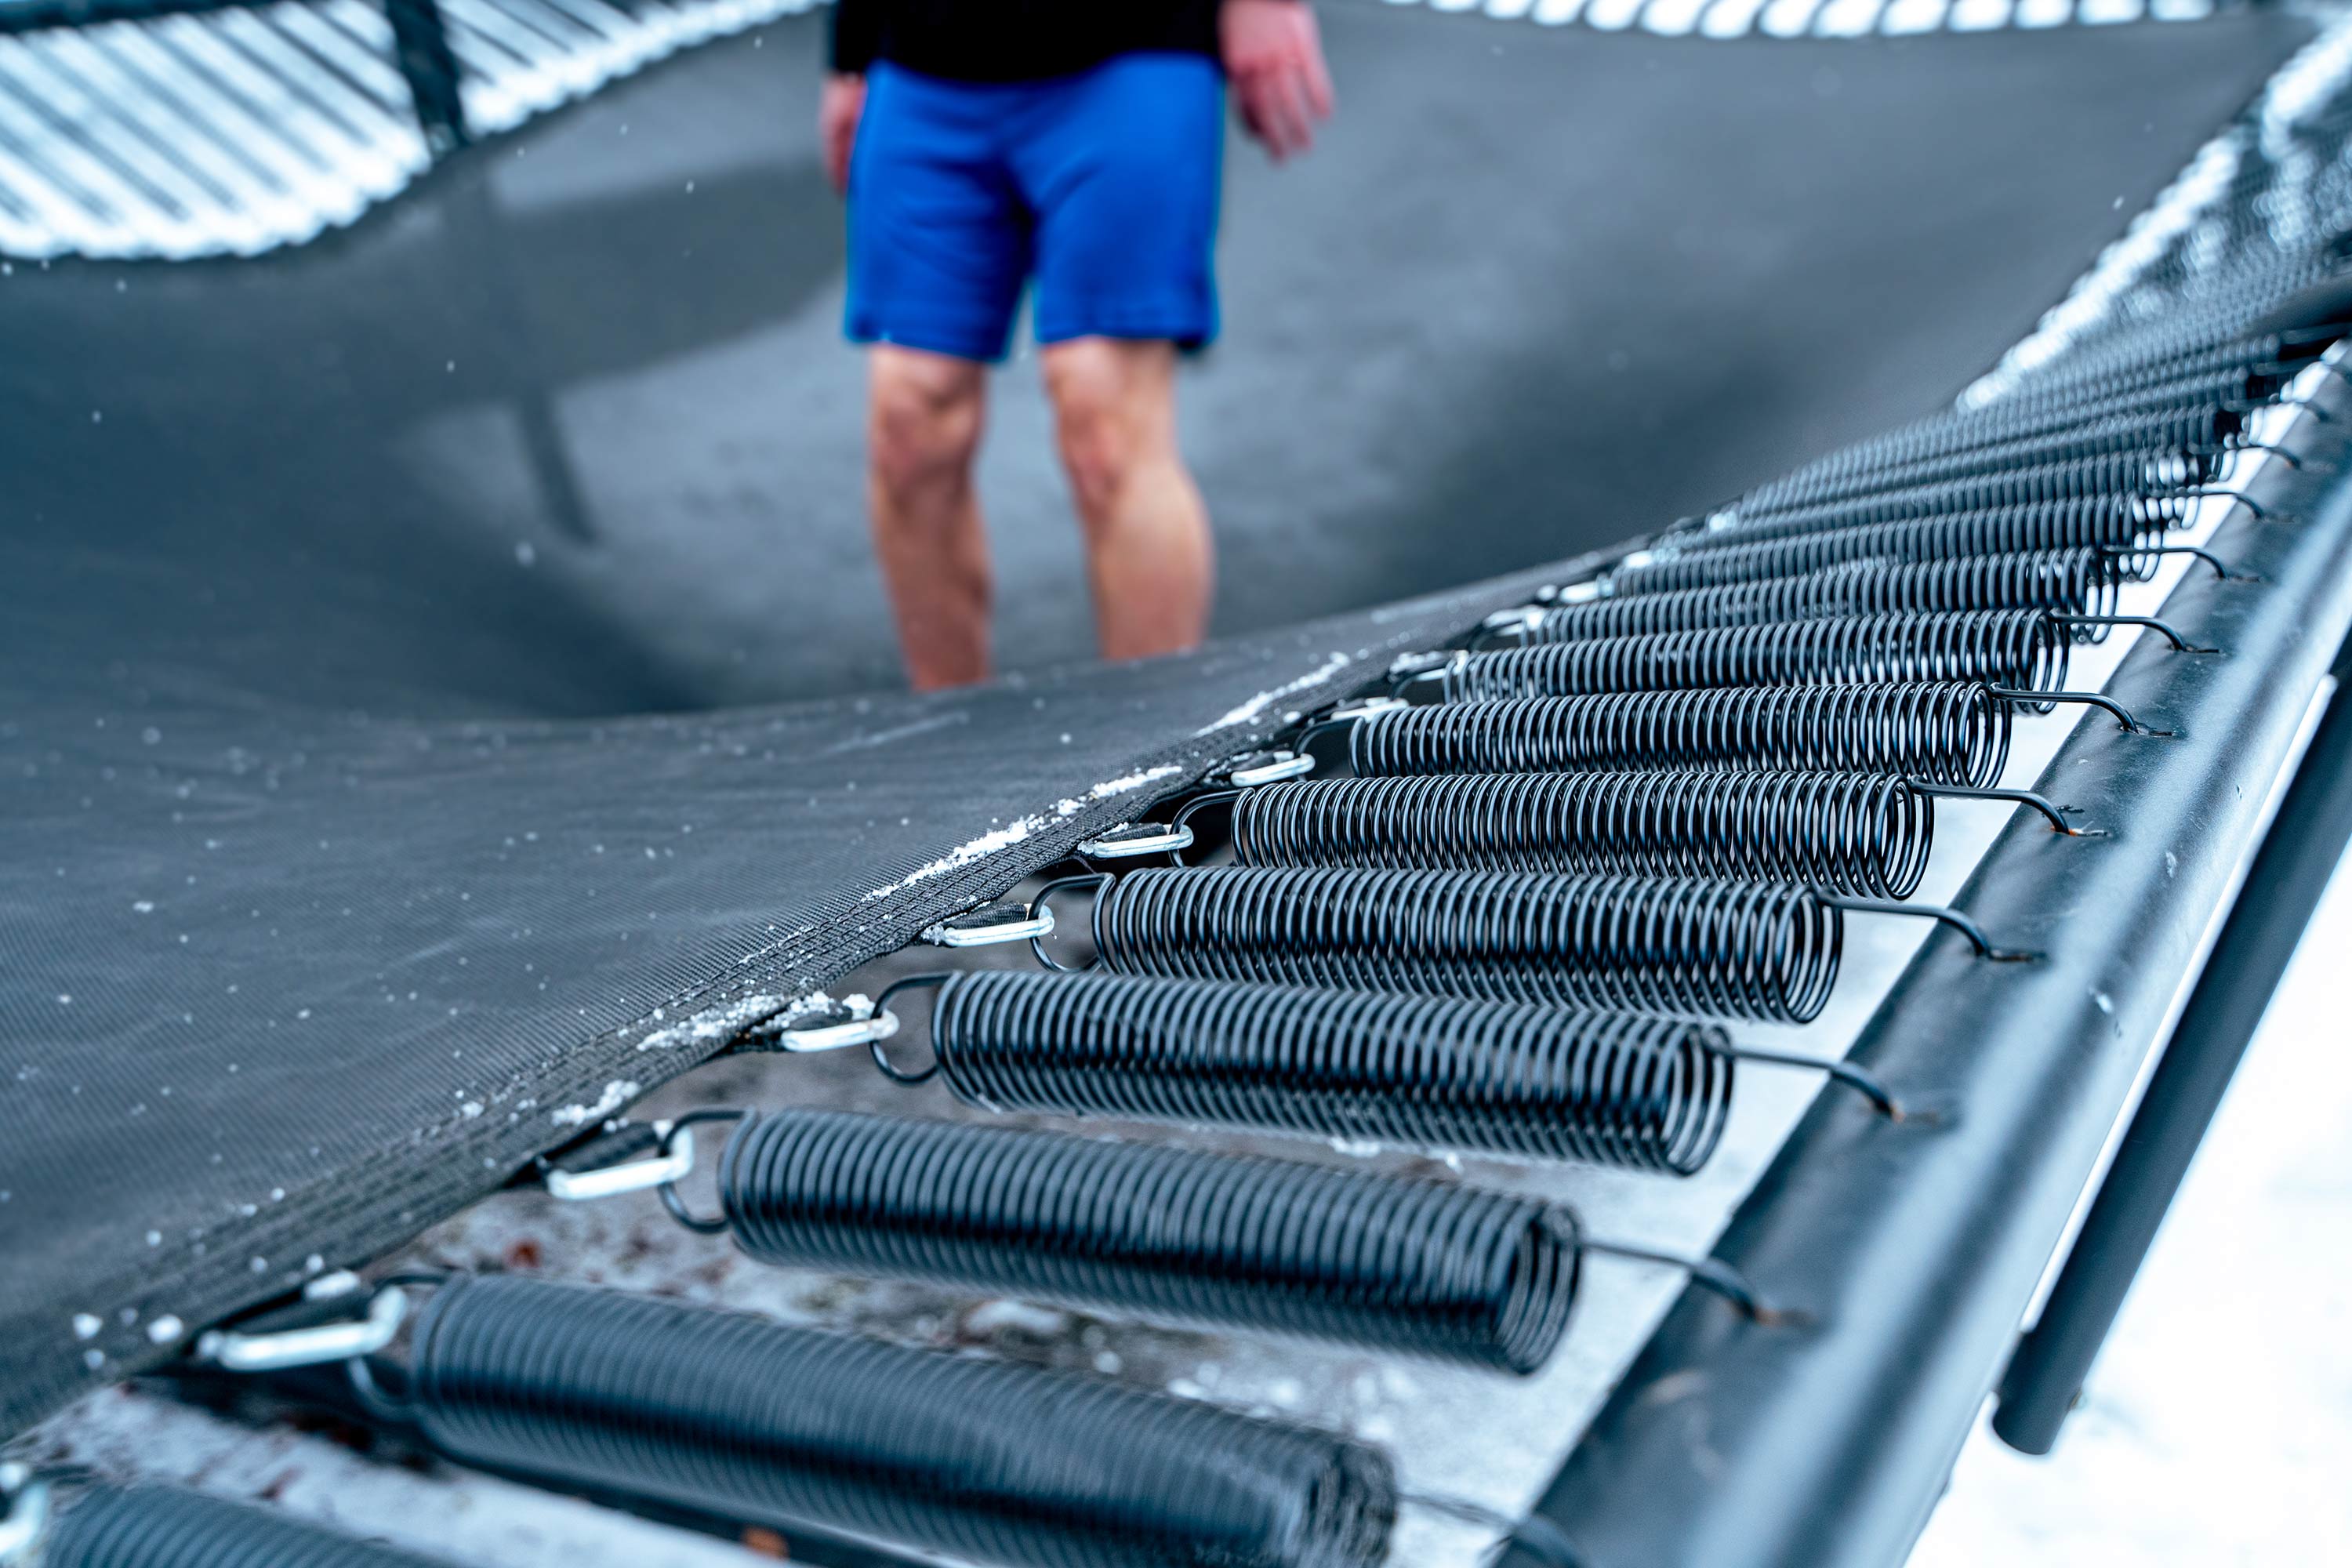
(838, 108)
(1274, 57)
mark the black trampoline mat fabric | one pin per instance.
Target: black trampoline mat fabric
(280, 993)
(282, 982)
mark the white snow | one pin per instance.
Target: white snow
(617, 1093)
(2215, 1424)
(1021, 828)
(1249, 711)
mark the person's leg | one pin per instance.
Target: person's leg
(938, 248)
(1149, 557)
(924, 416)
(1123, 177)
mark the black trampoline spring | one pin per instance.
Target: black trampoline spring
(2105, 370)
(2063, 582)
(1849, 832)
(2207, 408)
(2211, 409)
(2079, 583)
(165, 1527)
(2059, 523)
(2003, 648)
(1392, 1263)
(1742, 950)
(2229, 372)
(2124, 473)
(996, 1463)
(1428, 1072)
(2072, 521)
(2166, 452)
(1761, 603)
(1945, 732)
(1730, 556)
(2166, 505)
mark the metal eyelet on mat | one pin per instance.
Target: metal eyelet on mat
(845, 1027)
(1007, 919)
(1130, 839)
(674, 1162)
(1268, 767)
(233, 1350)
(24, 1521)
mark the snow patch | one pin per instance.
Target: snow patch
(1250, 710)
(617, 1093)
(714, 1027)
(1020, 828)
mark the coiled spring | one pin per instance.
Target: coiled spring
(1742, 950)
(1730, 557)
(996, 1463)
(1945, 732)
(1852, 832)
(2062, 582)
(2200, 412)
(1865, 500)
(2073, 522)
(165, 1527)
(1617, 1089)
(2000, 647)
(2173, 451)
(2110, 369)
(1394, 1262)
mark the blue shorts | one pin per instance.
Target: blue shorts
(1102, 186)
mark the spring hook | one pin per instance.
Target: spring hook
(24, 1523)
(2220, 572)
(2053, 814)
(991, 925)
(1130, 841)
(1712, 1275)
(1268, 767)
(1941, 915)
(2089, 699)
(838, 1025)
(2170, 634)
(671, 1162)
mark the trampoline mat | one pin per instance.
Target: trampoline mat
(322, 905)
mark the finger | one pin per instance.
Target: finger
(1257, 113)
(1289, 94)
(837, 157)
(1321, 96)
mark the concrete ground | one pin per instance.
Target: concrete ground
(2217, 1428)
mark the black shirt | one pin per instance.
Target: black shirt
(1014, 40)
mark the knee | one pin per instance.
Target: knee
(923, 433)
(1104, 439)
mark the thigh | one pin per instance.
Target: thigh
(939, 237)
(1123, 175)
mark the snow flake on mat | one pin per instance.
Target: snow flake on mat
(714, 1027)
(1256, 707)
(1021, 828)
(617, 1093)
